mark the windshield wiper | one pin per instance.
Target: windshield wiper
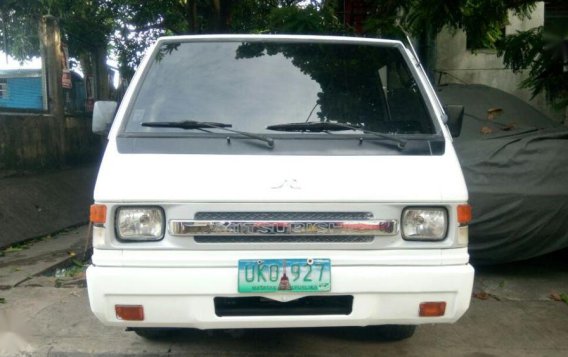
(191, 124)
(316, 127)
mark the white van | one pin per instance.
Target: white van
(255, 181)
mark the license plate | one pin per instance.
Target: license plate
(284, 275)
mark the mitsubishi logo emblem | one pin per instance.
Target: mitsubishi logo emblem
(288, 183)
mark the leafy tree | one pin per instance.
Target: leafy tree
(131, 26)
(141, 23)
(544, 52)
(19, 28)
(86, 27)
(482, 20)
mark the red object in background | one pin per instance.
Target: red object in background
(66, 79)
(355, 13)
(89, 104)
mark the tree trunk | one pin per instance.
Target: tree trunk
(86, 63)
(101, 75)
(5, 32)
(94, 65)
(52, 60)
(190, 15)
(216, 16)
(427, 53)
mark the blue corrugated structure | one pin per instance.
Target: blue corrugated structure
(21, 89)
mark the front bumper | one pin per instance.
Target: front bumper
(183, 297)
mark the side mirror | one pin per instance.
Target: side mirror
(103, 114)
(455, 119)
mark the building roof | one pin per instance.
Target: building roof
(20, 73)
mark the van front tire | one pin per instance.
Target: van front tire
(152, 333)
(393, 333)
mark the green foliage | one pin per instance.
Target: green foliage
(86, 25)
(18, 28)
(521, 49)
(139, 24)
(482, 20)
(130, 26)
(307, 20)
(545, 55)
(23, 44)
(251, 16)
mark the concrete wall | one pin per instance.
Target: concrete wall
(484, 67)
(37, 142)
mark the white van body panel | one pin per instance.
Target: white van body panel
(260, 178)
(382, 295)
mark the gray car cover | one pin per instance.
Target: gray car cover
(515, 163)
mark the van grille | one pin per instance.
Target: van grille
(285, 216)
(284, 239)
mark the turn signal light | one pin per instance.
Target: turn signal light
(464, 214)
(98, 214)
(129, 312)
(432, 309)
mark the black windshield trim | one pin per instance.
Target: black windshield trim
(324, 146)
(279, 136)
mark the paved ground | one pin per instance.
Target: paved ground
(512, 314)
(22, 263)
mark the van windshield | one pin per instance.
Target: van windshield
(253, 86)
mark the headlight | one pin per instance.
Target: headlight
(424, 223)
(140, 223)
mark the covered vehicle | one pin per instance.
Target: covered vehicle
(514, 159)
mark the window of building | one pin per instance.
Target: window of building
(3, 88)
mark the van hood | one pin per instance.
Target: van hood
(148, 178)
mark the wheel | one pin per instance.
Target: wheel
(393, 332)
(152, 333)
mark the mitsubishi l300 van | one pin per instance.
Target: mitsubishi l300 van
(279, 181)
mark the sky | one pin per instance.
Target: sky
(13, 64)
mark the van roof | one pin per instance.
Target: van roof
(281, 38)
